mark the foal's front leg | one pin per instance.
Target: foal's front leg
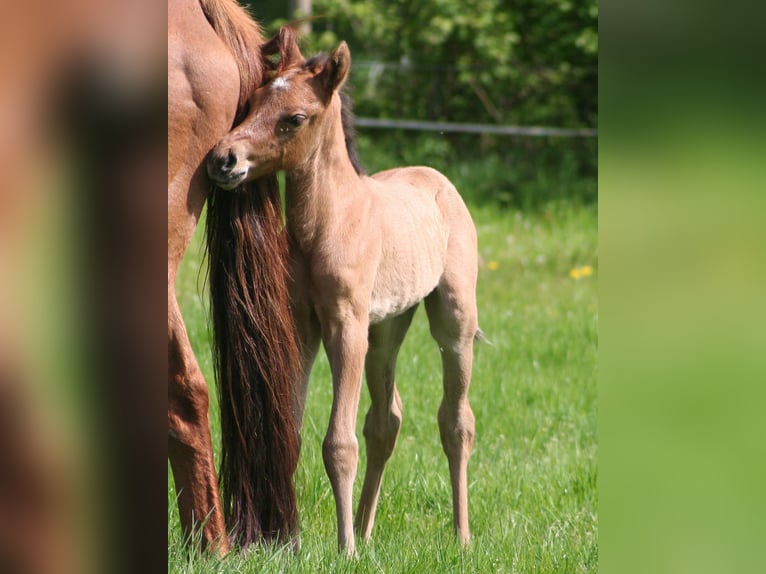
(344, 333)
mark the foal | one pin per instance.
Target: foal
(365, 251)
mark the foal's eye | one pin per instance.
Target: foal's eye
(296, 120)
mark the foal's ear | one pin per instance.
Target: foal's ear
(335, 70)
(284, 43)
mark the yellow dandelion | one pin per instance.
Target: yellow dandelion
(492, 265)
(580, 272)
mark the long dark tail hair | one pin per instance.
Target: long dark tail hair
(255, 348)
(256, 361)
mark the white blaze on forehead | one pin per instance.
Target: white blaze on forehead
(280, 83)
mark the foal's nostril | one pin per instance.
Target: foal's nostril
(229, 162)
(222, 164)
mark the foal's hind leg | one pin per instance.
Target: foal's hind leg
(381, 426)
(453, 319)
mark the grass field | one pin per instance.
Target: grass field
(533, 473)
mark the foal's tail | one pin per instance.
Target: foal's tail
(256, 361)
(482, 338)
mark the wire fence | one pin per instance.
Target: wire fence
(443, 127)
(374, 70)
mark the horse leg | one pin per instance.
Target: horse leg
(189, 445)
(453, 320)
(345, 339)
(381, 426)
(309, 334)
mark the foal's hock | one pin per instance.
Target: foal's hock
(365, 250)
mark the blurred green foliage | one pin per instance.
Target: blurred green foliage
(504, 62)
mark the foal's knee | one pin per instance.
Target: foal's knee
(340, 455)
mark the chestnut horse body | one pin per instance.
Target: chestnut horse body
(214, 61)
(364, 252)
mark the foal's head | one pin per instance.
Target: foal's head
(286, 123)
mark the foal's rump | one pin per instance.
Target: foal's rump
(422, 217)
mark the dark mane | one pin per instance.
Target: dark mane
(347, 117)
(349, 132)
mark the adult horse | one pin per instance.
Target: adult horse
(216, 58)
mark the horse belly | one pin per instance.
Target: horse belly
(411, 267)
(383, 307)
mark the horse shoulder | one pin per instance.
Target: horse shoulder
(203, 80)
(203, 91)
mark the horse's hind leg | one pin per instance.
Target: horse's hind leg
(452, 316)
(381, 426)
(189, 445)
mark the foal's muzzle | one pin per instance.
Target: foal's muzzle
(221, 168)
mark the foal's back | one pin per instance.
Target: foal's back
(424, 188)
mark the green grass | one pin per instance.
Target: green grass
(533, 472)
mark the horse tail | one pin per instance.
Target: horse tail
(237, 29)
(256, 360)
(255, 349)
(481, 337)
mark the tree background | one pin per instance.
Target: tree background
(503, 62)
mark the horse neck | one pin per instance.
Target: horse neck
(243, 37)
(325, 187)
